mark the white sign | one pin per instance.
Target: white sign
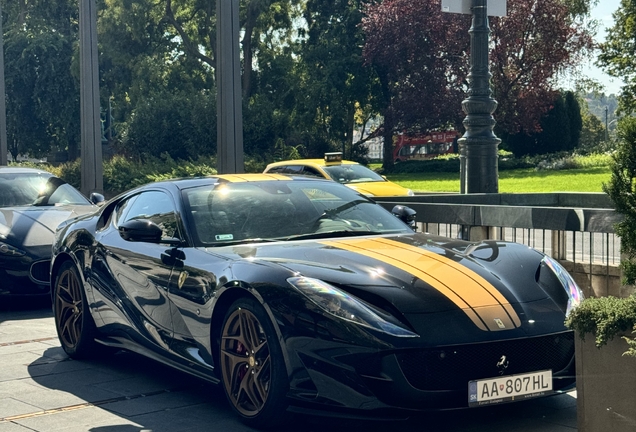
(494, 7)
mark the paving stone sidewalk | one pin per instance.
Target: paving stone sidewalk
(42, 390)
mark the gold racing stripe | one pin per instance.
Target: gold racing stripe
(475, 296)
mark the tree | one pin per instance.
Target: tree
(573, 109)
(422, 55)
(140, 59)
(535, 43)
(593, 136)
(621, 190)
(560, 129)
(42, 94)
(418, 54)
(148, 48)
(336, 80)
(178, 124)
(617, 54)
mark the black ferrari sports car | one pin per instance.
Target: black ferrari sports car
(301, 295)
(32, 204)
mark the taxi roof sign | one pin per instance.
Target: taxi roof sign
(333, 158)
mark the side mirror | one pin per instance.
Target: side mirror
(140, 230)
(406, 215)
(97, 199)
(144, 230)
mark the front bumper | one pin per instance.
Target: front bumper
(24, 276)
(414, 380)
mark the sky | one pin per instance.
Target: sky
(603, 12)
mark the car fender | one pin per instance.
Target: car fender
(231, 292)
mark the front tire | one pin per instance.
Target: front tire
(252, 366)
(73, 321)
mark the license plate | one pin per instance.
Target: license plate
(509, 388)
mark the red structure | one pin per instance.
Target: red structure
(425, 146)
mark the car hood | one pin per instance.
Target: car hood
(419, 273)
(379, 188)
(27, 227)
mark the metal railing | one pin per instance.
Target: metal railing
(576, 228)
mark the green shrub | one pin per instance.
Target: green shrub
(513, 163)
(620, 190)
(594, 160)
(122, 173)
(507, 161)
(431, 165)
(604, 317)
(70, 172)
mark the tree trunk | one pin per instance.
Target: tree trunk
(387, 131)
(21, 15)
(73, 150)
(250, 23)
(387, 139)
(350, 125)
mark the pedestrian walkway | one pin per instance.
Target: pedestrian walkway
(42, 390)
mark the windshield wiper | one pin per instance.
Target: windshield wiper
(334, 212)
(334, 233)
(242, 241)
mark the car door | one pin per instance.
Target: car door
(192, 291)
(139, 272)
(195, 277)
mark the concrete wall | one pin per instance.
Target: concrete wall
(598, 280)
(605, 386)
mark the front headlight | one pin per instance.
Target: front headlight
(8, 250)
(344, 306)
(575, 295)
(409, 192)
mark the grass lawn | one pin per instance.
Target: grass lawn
(525, 180)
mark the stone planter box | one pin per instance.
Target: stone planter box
(605, 386)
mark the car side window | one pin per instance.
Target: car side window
(277, 170)
(122, 209)
(293, 169)
(152, 205)
(311, 171)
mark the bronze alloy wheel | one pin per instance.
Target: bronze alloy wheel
(69, 308)
(75, 325)
(245, 362)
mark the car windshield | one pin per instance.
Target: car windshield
(230, 213)
(37, 189)
(352, 173)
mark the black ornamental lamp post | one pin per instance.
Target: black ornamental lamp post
(478, 146)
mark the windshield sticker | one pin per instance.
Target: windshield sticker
(221, 237)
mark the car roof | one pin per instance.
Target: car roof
(189, 182)
(314, 162)
(22, 170)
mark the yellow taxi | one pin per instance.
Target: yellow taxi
(332, 167)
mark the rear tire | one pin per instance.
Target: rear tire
(73, 321)
(252, 366)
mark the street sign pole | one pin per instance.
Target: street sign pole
(478, 146)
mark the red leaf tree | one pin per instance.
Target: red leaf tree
(420, 55)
